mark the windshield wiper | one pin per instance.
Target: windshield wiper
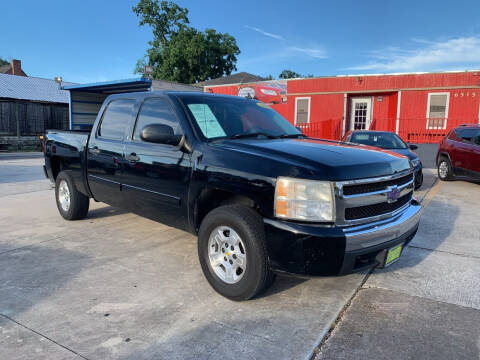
(292, 136)
(252, 134)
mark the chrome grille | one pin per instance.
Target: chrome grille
(375, 186)
(364, 200)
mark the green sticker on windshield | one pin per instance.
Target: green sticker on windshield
(263, 105)
(206, 120)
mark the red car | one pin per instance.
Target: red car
(264, 93)
(459, 153)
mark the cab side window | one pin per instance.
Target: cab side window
(156, 111)
(116, 119)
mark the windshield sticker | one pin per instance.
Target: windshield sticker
(206, 120)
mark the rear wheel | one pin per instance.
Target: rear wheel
(72, 204)
(232, 252)
(445, 171)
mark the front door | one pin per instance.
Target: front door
(474, 161)
(360, 113)
(157, 175)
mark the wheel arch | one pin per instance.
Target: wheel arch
(443, 154)
(212, 198)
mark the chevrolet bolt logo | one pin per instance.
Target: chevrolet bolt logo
(393, 193)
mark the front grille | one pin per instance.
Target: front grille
(356, 189)
(367, 211)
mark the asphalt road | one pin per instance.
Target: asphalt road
(117, 286)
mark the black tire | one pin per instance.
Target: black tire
(248, 224)
(79, 203)
(449, 174)
(418, 180)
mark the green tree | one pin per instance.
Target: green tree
(179, 52)
(289, 74)
(3, 62)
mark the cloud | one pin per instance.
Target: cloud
(433, 55)
(316, 53)
(274, 36)
(288, 51)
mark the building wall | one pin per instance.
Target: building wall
(330, 101)
(21, 122)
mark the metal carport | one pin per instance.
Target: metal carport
(87, 99)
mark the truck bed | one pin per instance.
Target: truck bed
(65, 150)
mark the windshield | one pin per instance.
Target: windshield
(221, 117)
(381, 140)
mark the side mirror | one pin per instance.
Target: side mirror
(413, 147)
(160, 134)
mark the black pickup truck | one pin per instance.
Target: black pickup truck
(261, 196)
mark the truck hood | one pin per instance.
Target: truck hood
(335, 161)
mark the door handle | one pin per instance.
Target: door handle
(95, 150)
(133, 157)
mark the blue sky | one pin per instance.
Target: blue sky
(86, 41)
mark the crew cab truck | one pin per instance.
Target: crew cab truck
(261, 196)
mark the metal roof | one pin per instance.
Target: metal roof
(238, 78)
(32, 88)
(112, 87)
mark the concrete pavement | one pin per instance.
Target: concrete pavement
(117, 286)
(427, 305)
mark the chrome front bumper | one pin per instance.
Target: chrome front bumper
(378, 232)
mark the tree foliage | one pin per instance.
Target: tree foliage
(179, 52)
(3, 62)
(289, 74)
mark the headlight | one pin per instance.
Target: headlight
(415, 162)
(268, 92)
(307, 200)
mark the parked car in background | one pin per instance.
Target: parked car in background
(459, 153)
(261, 196)
(388, 141)
(264, 93)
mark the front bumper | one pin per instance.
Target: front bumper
(312, 249)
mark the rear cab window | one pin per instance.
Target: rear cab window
(116, 119)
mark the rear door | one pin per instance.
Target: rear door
(157, 175)
(106, 148)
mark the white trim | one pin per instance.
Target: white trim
(478, 112)
(390, 74)
(352, 111)
(397, 122)
(446, 109)
(309, 101)
(344, 122)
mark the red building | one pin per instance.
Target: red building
(420, 107)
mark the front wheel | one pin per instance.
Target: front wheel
(232, 252)
(445, 171)
(71, 203)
